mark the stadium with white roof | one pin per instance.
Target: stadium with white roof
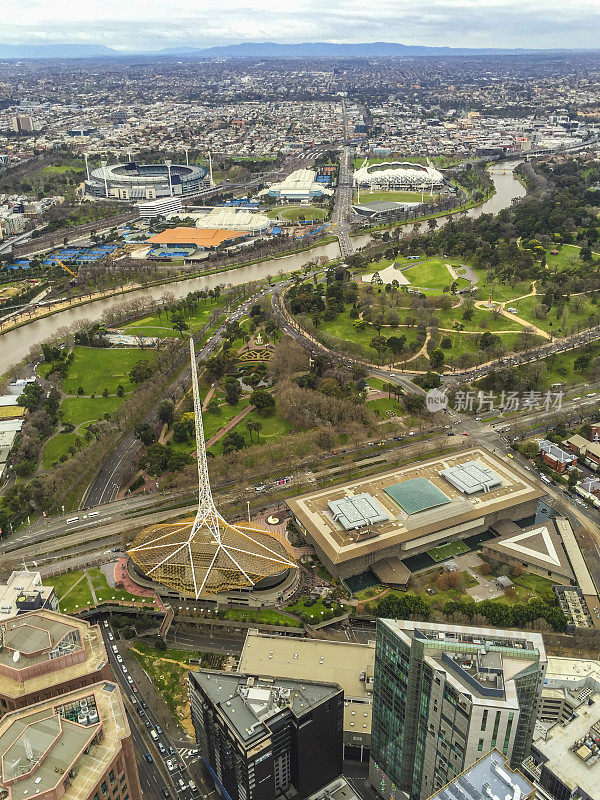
(394, 175)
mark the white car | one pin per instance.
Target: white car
(124, 668)
(119, 659)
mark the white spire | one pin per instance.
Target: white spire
(207, 513)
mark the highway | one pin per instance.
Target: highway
(343, 197)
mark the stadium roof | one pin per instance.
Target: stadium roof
(416, 494)
(471, 477)
(357, 511)
(205, 237)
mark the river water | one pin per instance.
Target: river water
(15, 345)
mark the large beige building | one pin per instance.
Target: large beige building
(76, 747)
(348, 664)
(381, 519)
(44, 654)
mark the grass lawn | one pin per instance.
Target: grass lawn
(571, 317)
(366, 594)
(266, 616)
(87, 409)
(160, 325)
(294, 213)
(383, 405)
(430, 274)
(62, 583)
(482, 320)
(437, 161)
(445, 551)
(79, 596)
(56, 446)
(97, 368)
(272, 428)
(313, 612)
(500, 291)
(568, 254)
(395, 197)
(106, 592)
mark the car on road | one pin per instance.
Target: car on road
(170, 765)
(162, 748)
(159, 729)
(119, 659)
(123, 667)
(149, 758)
(465, 433)
(165, 792)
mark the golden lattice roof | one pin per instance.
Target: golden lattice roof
(198, 564)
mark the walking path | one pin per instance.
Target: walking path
(208, 398)
(226, 428)
(92, 590)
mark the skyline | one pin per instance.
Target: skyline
(474, 24)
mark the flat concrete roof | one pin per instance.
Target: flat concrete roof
(20, 582)
(41, 743)
(357, 512)
(247, 702)
(556, 742)
(472, 477)
(404, 530)
(493, 769)
(35, 636)
(348, 664)
(582, 575)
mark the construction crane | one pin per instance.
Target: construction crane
(66, 269)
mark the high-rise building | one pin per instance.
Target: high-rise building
(349, 664)
(44, 654)
(77, 746)
(23, 123)
(446, 694)
(263, 738)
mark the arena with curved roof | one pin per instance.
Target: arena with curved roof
(133, 181)
(391, 175)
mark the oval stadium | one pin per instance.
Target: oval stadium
(133, 181)
(397, 175)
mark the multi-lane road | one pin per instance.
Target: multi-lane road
(167, 760)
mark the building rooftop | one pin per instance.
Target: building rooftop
(200, 237)
(555, 451)
(571, 750)
(416, 494)
(472, 477)
(401, 528)
(349, 664)
(21, 585)
(540, 545)
(247, 702)
(44, 647)
(479, 661)
(357, 511)
(80, 731)
(490, 771)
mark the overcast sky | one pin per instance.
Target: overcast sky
(153, 24)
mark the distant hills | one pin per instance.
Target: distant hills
(258, 50)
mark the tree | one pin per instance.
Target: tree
(263, 402)
(233, 391)
(166, 411)
(141, 371)
(145, 433)
(120, 391)
(258, 428)
(233, 441)
(179, 324)
(436, 359)
(414, 403)
(446, 343)
(572, 478)
(379, 344)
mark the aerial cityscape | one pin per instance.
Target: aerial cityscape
(300, 401)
